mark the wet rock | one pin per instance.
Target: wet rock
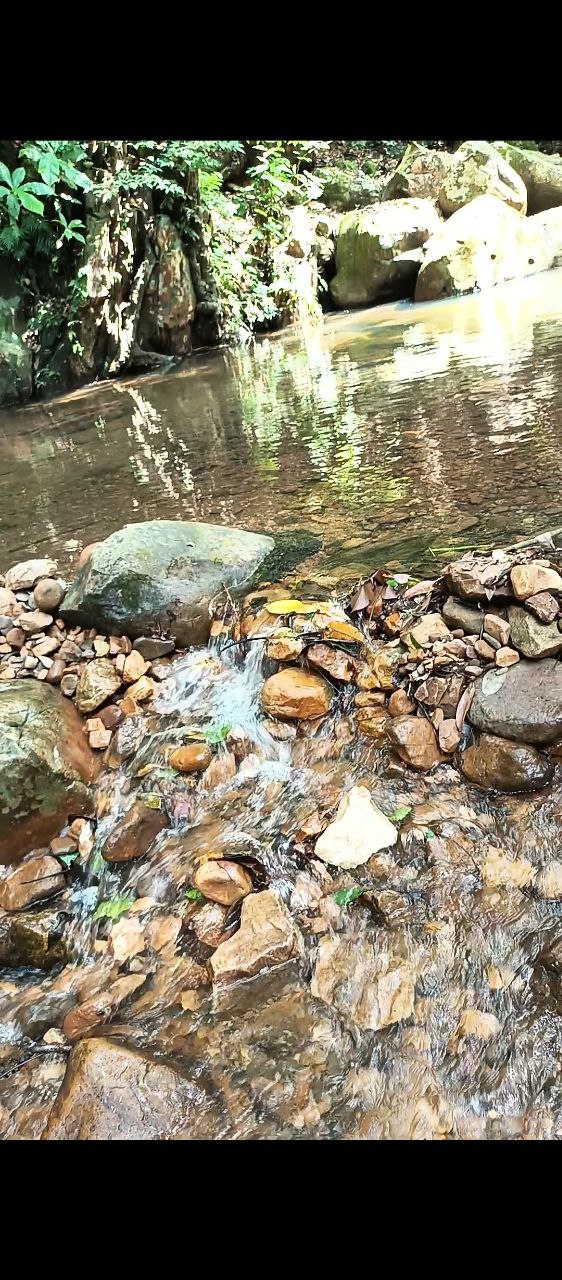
(191, 759)
(477, 169)
(222, 881)
(267, 937)
(162, 933)
(523, 703)
(48, 594)
(141, 691)
(34, 939)
(468, 577)
(111, 1093)
(98, 682)
(33, 881)
(383, 665)
(372, 721)
(162, 573)
(548, 883)
(127, 938)
(544, 606)
(542, 175)
(379, 249)
(284, 648)
(23, 576)
(429, 628)
(531, 579)
(134, 667)
(293, 694)
(498, 764)
(448, 735)
(100, 1007)
(134, 833)
(208, 924)
(399, 704)
(337, 664)
(474, 1022)
(371, 989)
(151, 647)
(46, 766)
(420, 173)
(358, 831)
(414, 740)
(499, 871)
(480, 246)
(221, 769)
(533, 638)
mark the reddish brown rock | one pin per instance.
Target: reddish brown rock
(111, 716)
(335, 662)
(56, 671)
(99, 1008)
(208, 924)
(191, 759)
(48, 594)
(34, 880)
(505, 657)
(134, 667)
(544, 606)
(134, 833)
(498, 628)
(267, 936)
(501, 765)
(293, 694)
(414, 739)
(399, 704)
(372, 721)
(285, 648)
(222, 881)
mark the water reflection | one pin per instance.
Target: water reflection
(401, 428)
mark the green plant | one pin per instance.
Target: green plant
(400, 814)
(112, 908)
(17, 194)
(216, 734)
(344, 896)
(194, 895)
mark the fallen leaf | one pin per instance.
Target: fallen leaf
(420, 588)
(292, 606)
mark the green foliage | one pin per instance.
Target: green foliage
(216, 734)
(112, 908)
(17, 194)
(67, 858)
(344, 896)
(194, 895)
(399, 815)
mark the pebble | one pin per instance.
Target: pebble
(151, 647)
(68, 685)
(134, 667)
(16, 638)
(100, 739)
(56, 671)
(34, 621)
(48, 593)
(505, 657)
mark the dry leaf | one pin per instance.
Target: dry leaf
(292, 606)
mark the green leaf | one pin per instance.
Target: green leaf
(400, 814)
(216, 734)
(194, 894)
(112, 908)
(67, 858)
(429, 834)
(30, 202)
(13, 206)
(5, 175)
(39, 188)
(49, 168)
(18, 177)
(344, 896)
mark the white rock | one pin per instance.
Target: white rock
(358, 831)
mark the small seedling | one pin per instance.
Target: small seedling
(344, 896)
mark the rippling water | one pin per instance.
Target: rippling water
(401, 428)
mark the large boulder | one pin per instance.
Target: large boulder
(542, 175)
(347, 187)
(378, 251)
(46, 766)
(523, 702)
(162, 574)
(477, 169)
(421, 173)
(169, 302)
(483, 244)
(498, 764)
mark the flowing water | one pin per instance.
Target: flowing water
(389, 433)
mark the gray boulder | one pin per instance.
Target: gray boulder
(542, 175)
(162, 574)
(523, 703)
(379, 250)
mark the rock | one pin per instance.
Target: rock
(48, 594)
(191, 759)
(420, 174)
(162, 573)
(134, 667)
(523, 703)
(100, 1007)
(430, 628)
(372, 721)
(111, 716)
(267, 937)
(500, 765)
(208, 924)
(497, 628)
(500, 872)
(370, 989)
(34, 881)
(399, 704)
(541, 174)
(141, 690)
(481, 245)
(548, 883)
(383, 664)
(530, 579)
(56, 671)
(134, 833)
(284, 648)
(293, 694)
(99, 739)
(449, 736)
(111, 1093)
(127, 938)
(358, 831)
(346, 187)
(506, 657)
(98, 682)
(414, 740)
(458, 614)
(544, 606)
(169, 301)
(23, 576)
(379, 249)
(473, 1022)
(34, 621)
(68, 685)
(477, 169)
(485, 651)
(33, 939)
(221, 769)
(162, 933)
(469, 578)
(534, 639)
(46, 766)
(151, 647)
(16, 372)
(335, 662)
(222, 881)
(8, 602)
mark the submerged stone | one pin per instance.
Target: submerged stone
(498, 764)
(523, 702)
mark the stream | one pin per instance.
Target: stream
(394, 436)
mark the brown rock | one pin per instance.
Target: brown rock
(544, 606)
(142, 689)
(99, 739)
(68, 685)
(222, 881)
(162, 932)
(221, 769)
(337, 664)
(414, 740)
(16, 638)
(8, 603)
(501, 765)
(497, 628)
(69, 651)
(383, 664)
(548, 883)
(23, 576)
(372, 721)
(98, 682)
(430, 628)
(531, 579)
(99, 1008)
(48, 594)
(372, 698)
(473, 578)
(208, 924)
(294, 694)
(111, 1093)
(284, 648)
(33, 881)
(506, 657)
(34, 621)
(267, 936)
(56, 671)
(499, 871)
(134, 667)
(369, 988)
(64, 844)
(86, 553)
(134, 833)
(449, 736)
(484, 651)
(111, 716)
(191, 759)
(399, 704)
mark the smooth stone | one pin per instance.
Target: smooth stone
(495, 763)
(191, 759)
(267, 937)
(98, 682)
(458, 614)
(23, 576)
(530, 579)
(294, 694)
(134, 833)
(379, 249)
(152, 647)
(48, 594)
(534, 639)
(34, 621)
(522, 703)
(358, 831)
(414, 739)
(222, 881)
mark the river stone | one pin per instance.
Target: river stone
(529, 579)
(34, 939)
(46, 766)
(23, 576)
(99, 680)
(541, 174)
(134, 833)
(222, 881)
(458, 614)
(267, 937)
(294, 694)
(369, 988)
(358, 831)
(152, 647)
(111, 1093)
(533, 638)
(477, 169)
(33, 881)
(420, 173)
(501, 765)
(414, 739)
(378, 251)
(544, 606)
(162, 573)
(523, 703)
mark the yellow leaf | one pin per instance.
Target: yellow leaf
(292, 606)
